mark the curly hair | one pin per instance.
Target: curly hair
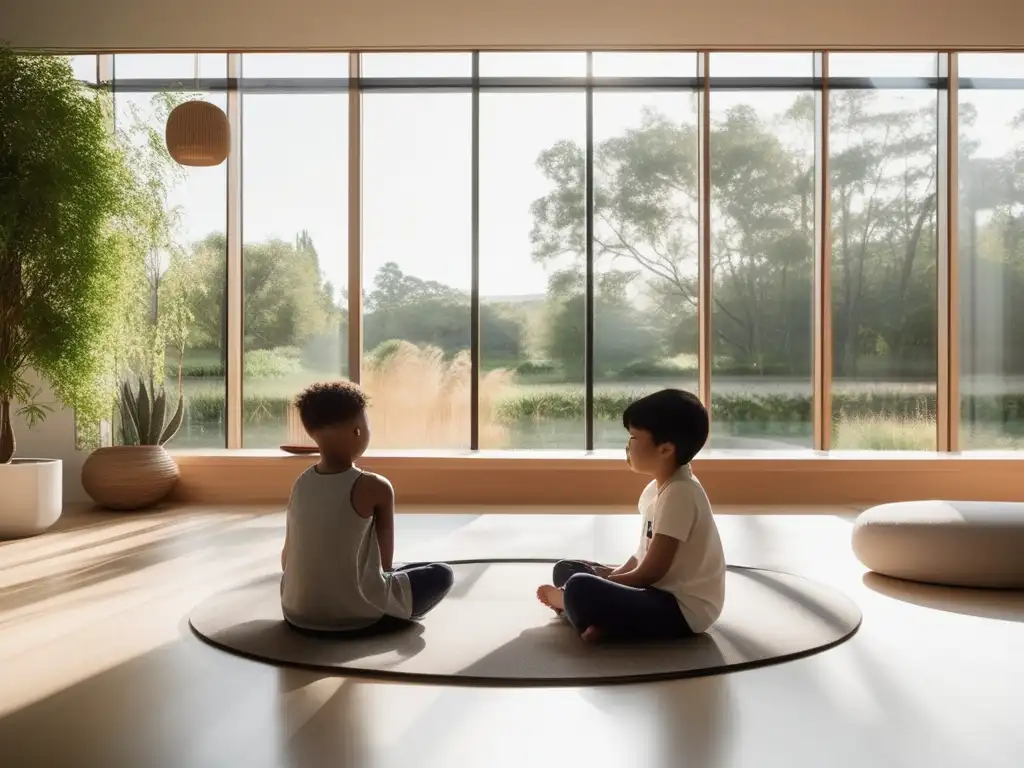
(329, 403)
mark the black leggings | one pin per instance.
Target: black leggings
(429, 583)
(617, 611)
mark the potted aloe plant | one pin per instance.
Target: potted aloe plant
(140, 472)
(69, 209)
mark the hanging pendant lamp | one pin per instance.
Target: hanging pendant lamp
(197, 132)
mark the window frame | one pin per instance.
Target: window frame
(705, 84)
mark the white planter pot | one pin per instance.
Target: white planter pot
(31, 496)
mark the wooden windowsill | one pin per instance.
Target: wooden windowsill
(603, 478)
(600, 455)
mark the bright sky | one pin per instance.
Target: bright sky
(416, 147)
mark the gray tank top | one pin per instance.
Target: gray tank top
(332, 577)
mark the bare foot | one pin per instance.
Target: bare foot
(551, 597)
(591, 634)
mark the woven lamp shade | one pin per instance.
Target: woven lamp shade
(197, 134)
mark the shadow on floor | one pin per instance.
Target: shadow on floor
(108, 523)
(818, 608)
(180, 704)
(692, 724)
(670, 724)
(215, 536)
(273, 642)
(1005, 605)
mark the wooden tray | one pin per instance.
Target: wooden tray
(300, 450)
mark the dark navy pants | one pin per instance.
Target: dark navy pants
(619, 612)
(430, 582)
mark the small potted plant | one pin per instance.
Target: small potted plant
(68, 210)
(139, 472)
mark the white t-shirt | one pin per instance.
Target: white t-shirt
(696, 577)
(332, 575)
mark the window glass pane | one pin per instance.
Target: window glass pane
(994, 65)
(628, 64)
(883, 167)
(646, 251)
(416, 266)
(532, 224)
(762, 222)
(178, 307)
(296, 65)
(991, 249)
(147, 66)
(416, 65)
(84, 67)
(564, 64)
(883, 64)
(762, 64)
(295, 257)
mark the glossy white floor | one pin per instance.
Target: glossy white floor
(98, 667)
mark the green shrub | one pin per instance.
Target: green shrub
(744, 414)
(736, 409)
(197, 371)
(652, 369)
(207, 408)
(259, 364)
(559, 405)
(536, 367)
(726, 367)
(272, 363)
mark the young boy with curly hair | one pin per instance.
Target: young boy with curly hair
(340, 531)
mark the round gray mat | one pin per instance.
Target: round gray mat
(491, 629)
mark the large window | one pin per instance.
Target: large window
(532, 253)
(556, 192)
(85, 67)
(762, 241)
(416, 267)
(295, 238)
(883, 168)
(177, 315)
(991, 249)
(646, 246)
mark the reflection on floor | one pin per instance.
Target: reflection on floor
(99, 668)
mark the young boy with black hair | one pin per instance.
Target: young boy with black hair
(340, 531)
(674, 584)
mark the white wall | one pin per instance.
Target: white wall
(408, 24)
(54, 439)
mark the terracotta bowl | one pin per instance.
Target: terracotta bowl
(128, 477)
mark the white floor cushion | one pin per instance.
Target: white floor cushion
(957, 543)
